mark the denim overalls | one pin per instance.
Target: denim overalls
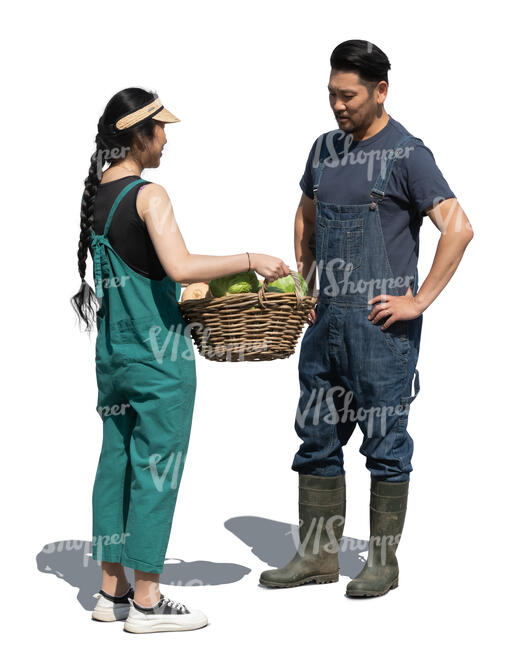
(351, 371)
(146, 380)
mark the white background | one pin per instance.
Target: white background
(249, 85)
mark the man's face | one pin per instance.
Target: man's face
(350, 99)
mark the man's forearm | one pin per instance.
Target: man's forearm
(306, 263)
(449, 252)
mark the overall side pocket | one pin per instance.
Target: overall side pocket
(396, 337)
(406, 401)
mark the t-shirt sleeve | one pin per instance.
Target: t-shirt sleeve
(306, 182)
(425, 183)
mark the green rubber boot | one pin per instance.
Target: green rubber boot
(322, 505)
(387, 515)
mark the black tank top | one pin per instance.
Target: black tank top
(128, 233)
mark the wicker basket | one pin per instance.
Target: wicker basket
(248, 326)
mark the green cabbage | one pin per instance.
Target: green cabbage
(287, 285)
(245, 282)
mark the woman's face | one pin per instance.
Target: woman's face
(151, 156)
(159, 137)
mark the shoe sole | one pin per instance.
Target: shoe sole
(366, 593)
(109, 616)
(323, 579)
(160, 626)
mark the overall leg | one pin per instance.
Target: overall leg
(110, 496)
(325, 419)
(164, 404)
(381, 366)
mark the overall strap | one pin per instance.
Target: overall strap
(99, 241)
(388, 161)
(317, 177)
(117, 201)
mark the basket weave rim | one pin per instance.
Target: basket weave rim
(263, 294)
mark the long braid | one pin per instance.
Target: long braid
(85, 301)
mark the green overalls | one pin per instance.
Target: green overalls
(146, 378)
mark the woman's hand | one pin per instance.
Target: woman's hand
(395, 307)
(270, 267)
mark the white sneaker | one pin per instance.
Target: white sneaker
(112, 608)
(166, 616)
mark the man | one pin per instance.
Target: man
(366, 189)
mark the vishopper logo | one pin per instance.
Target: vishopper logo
(101, 541)
(68, 545)
(376, 416)
(319, 530)
(161, 212)
(114, 281)
(321, 537)
(233, 349)
(337, 268)
(455, 211)
(193, 582)
(175, 335)
(71, 545)
(379, 545)
(175, 459)
(356, 157)
(105, 154)
(113, 409)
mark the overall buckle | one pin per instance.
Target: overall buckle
(374, 202)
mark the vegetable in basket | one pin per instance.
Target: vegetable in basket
(196, 291)
(287, 285)
(245, 282)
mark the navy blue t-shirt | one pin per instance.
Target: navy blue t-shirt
(415, 184)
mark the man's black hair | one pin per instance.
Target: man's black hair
(363, 57)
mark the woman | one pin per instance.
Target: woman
(145, 363)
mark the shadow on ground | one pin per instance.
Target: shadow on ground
(275, 543)
(71, 560)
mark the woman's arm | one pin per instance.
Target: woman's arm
(155, 208)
